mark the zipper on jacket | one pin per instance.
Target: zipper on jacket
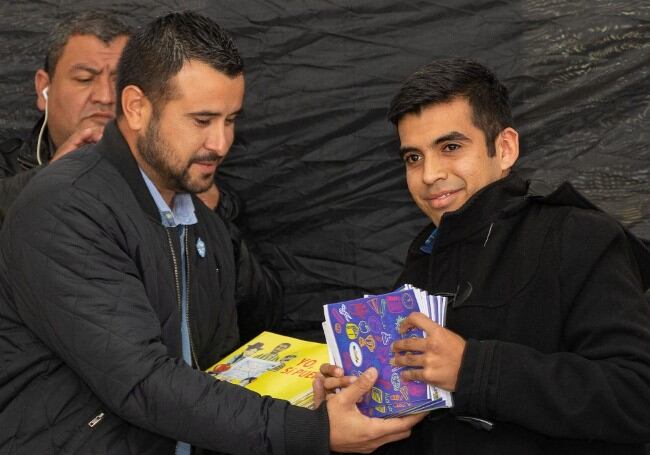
(98, 418)
(187, 284)
(178, 288)
(176, 279)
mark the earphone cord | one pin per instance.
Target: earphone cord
(40, 137)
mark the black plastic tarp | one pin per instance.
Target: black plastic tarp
(315, 159)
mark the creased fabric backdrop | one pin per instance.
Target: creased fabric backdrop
(315, 159)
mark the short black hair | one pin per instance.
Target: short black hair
(103, 25)
(156, 53)
(443, 81)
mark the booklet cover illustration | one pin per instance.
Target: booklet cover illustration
(359, 335)
(275, 365)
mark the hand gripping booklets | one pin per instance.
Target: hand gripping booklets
(359, 335)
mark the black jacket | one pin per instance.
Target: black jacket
(549, 294)
(259, 288)
(18, 164)
(90, 346)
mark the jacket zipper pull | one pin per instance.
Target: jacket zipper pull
(98, 418)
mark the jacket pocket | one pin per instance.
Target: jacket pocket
(84, 432)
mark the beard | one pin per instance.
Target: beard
(160, 156)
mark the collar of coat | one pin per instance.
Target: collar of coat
(114, 148)
(27, 153)
(508, 196)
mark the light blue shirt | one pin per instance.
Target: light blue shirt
(181, 214)
(427, 246)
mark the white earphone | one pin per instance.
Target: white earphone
(40, 134)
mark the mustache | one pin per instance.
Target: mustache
(206, 157)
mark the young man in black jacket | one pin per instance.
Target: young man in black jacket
(117, 284)
(547, 341)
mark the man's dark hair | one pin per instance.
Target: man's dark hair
(155, 54)
(101, 24)
(444, 80)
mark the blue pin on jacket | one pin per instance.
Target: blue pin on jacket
(200, 247)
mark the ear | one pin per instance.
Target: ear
(507, 148)
(136, 107)
(41, 82)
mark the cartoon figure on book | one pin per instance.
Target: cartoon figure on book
(275, 353)
(283, 361)
(289, 377)
(360, 333)
(545, 348)
(223, 367)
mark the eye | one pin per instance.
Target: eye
(411, 158)
(84, 80)
(451, 147)
(230, 120)
(201, 121)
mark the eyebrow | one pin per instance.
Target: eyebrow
(213, 114)
(89, 69)
(451, 136)
(82, 67)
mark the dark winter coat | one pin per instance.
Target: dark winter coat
(18, 164)
(90, 345)
(259, 288)
(549, 294)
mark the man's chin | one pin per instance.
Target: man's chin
(198, 186)
(95, 121)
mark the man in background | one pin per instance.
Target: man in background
(75, 90)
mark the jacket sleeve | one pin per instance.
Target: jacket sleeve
(598, 387)
(89, 306)
(258, 292)
(259, 288)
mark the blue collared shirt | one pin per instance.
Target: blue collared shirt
(181, 214)
(427, 246)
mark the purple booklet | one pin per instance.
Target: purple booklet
(360, 333)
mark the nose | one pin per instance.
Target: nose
(433, 169)
(103, 90)
(220, 138)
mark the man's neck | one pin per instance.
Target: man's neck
(132, 140)
(167, 194)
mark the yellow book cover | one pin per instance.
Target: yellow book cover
(275, 365)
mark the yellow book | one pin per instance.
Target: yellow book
(274, 365)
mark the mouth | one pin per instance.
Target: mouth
(442, 199)
(206, 166)
(102, 116)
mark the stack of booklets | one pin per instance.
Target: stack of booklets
(275, 365)
(359, 335)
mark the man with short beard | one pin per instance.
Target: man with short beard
(75, 90)
(117, 285)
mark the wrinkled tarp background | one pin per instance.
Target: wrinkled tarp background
(315, 159)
